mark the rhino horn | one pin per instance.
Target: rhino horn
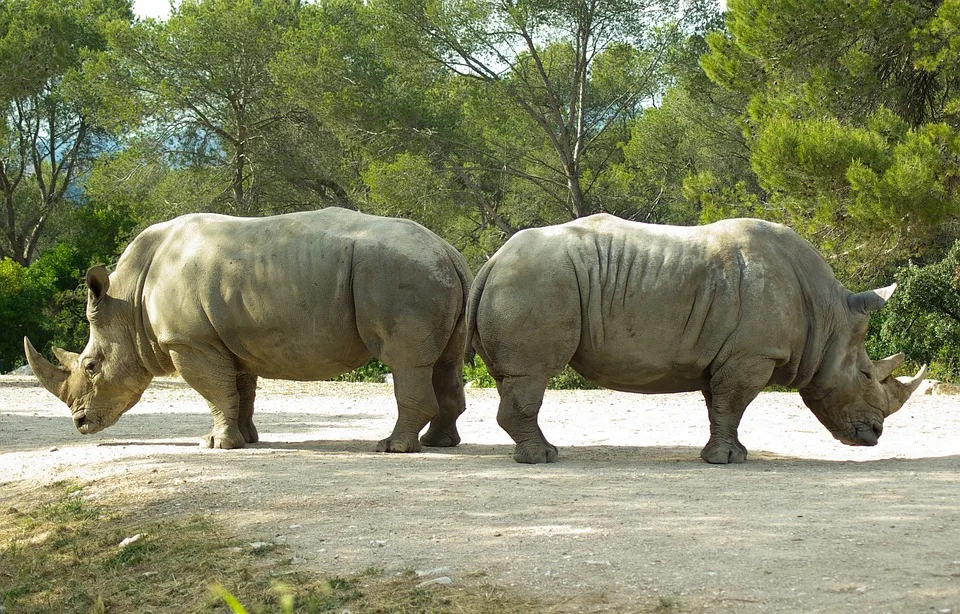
(903, 389)
(52, 377)
(69, 360)
(870, 300)
(888, 365)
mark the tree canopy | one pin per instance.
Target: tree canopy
(479, 118)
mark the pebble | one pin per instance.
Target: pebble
(258, 545)
(131, 540)
(433, 572)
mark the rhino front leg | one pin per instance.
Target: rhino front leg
(211, 373)
(247, 389)
(448, 388)
(520, 401)
(732, 388)
(416, 405)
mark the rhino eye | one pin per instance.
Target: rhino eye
(867, 374)
(91, 367)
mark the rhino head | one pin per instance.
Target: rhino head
(107, 378)
(851, 394)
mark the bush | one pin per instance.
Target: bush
(568, 379)
(374, 371)
(922, 318)
(41, 302)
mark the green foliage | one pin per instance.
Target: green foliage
(50, 115)
(568, 379)
(851, 123)
(922, 319)
(37, 302)
(373, 372)
(476, 374)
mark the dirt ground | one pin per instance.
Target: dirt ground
(628, 518)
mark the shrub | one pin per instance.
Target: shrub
(922, 319)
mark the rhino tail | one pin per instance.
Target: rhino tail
(473, 302)
(466, 279)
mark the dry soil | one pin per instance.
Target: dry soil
(629, 514)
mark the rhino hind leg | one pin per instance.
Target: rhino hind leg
(520, 401)
(416, 406)
(448, 388)
(732, 388)
(247, 389)
(212, 374)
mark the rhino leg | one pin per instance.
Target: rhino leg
(448, 388)
(732, 388)
(416, 406)
(247, 389)
(520, 401)
(211, 373)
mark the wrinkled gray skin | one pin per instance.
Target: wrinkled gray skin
(726, 309)
(303, 296)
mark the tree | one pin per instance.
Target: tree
(685, 149)
(50, 132)
(570, 72)
(201, 81)
(851, 122)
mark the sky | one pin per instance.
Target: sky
(151, 8)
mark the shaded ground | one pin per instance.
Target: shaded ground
(629, 517)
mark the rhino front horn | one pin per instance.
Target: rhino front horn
(52, 378)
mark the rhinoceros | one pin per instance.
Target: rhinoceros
(303, 296)
(726, 308)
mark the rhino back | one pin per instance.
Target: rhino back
(281, 293)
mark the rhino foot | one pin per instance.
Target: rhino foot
(402, 443)
(249, 432)
(226, 438)
(534, 452)
(440, 438)
(723, 452)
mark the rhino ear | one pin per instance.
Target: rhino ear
(870, 300)
(98, 282)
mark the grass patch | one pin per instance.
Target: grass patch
(66, 553)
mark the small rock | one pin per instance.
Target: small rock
(295, 526)
(433, 572)
(54, 449)
(149, 574)
(379, 543)
(259, 545)
(131, 540)
(440, 580)
(598, 563)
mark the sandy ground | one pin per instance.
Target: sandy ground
(630, 514)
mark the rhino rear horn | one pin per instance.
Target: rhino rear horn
(904, 387)
(52, 377)
(888, 365)
(870, 300)
(69, 360)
